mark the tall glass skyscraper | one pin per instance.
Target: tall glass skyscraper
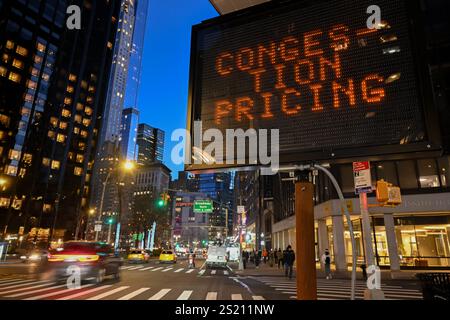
(53, 84)
(128, 134)
(135, 67)
(150, 144)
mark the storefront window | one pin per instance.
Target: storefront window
(428, 175)
(423, 241)
(407, 174)
(358, 240)
(380, 242)
(387, 172)
(444, 171)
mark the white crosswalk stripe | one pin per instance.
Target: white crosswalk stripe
(26, 288)
(35, 291)
(160, 294)
(126, 267)
(225, 273)
(202, 272)
(22, 285)
(148, 268)
(134, 294)
(159, 268)
(213, 272)
(84, 293)
(185, 295)
(179, 270)
(190, 270)
(258, 298)
(135, 268)
(14, 282)
(211, 296)
(340, 289)
(57, 293)
(236, 297)
(108, 293)
(168, 269)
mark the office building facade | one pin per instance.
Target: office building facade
(150, 144)
(53, 90)
(128, 134)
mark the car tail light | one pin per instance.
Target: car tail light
(69, 257)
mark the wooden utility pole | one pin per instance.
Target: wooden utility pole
(305, 255)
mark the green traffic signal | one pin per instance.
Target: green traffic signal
(110, 221)
(160, 203)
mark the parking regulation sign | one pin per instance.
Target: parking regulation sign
(362, 177)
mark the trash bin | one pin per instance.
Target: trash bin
(435, 286)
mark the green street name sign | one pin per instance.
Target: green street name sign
(203, 206)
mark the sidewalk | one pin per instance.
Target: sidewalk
(267, 271)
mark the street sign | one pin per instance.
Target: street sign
(203, 206)
(362, 177)
(240, 209)
(98, 228)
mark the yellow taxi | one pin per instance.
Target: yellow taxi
(138, 256)
(167, 256)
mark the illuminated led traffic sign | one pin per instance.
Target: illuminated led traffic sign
(316, 73)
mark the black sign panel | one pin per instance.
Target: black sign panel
(317, 73)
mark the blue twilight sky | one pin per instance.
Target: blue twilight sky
(165, 76)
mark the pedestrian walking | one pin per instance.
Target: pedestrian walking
(245, 258)
(271, 258)
(275, 256)
(288, 259)
(280, 258)
(326, 260)
(265, 255)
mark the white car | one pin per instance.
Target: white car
(217, 257)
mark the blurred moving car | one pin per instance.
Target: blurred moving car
(217, 257)
(138, 256)
(95, 261)
(167, 256)
(35, 256)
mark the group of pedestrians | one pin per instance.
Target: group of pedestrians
(282, 259)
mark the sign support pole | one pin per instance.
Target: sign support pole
(305, 260)
(366, 228)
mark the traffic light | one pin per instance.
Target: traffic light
(110, 221)
(163, 200)
(388, 194)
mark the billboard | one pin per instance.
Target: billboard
(332, 87)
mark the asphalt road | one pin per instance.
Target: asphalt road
(154, 281)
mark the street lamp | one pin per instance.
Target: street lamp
(126, 166)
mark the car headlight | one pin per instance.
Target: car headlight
(35, 257)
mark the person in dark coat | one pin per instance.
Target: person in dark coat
(288, 259)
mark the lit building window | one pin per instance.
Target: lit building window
(17, 64)
(4, 202)
(80, 107)
(56, 165)
(61, 138)
(27, 158)
(22, 51)
(4, 120)
(14, 155)
(70, 89)
(66, 113)
(76, 130)
(45, 77)
(72, 77)
(29, 98)
(78, 171)
(86, 122)
(40, 47)
(14, 77)
(46, 162)
(35, 72)
(3, 71)
(9, 45)
(51, 134)
(78, 118)
(88, 111)
(11, 170)
(84, 133)
(80, 158)
(67, 101)
(31, 84)
(54, 121)
(63, 125)
(37, 59)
